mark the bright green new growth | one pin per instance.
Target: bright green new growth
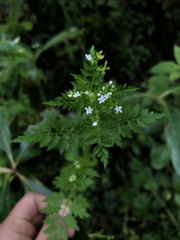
(100, 115)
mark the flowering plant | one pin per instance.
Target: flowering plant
(96, 115)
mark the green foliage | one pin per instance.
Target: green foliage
(105, 117)
(168, 73)
(63, 149)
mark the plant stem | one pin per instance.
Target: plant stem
(5, 170)
(11, 159)
(168, 92)
(168, 211)
(166, 110)
(23, 179)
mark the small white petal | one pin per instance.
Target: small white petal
(102, 99)
(16, 40)
(72, 178)
(77, 164)
(86, 92)
(88, 110)
(94, 124)
(107, 95)
(65, 210)
(88, 57)
(76, 94)
(118, 109)
(110, 82)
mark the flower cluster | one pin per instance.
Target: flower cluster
(74, 94)
(104, 97)
(64, 210)
(101, 97)
(97, 100)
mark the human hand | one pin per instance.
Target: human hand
(25, 220)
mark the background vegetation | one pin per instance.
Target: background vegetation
(41, 44)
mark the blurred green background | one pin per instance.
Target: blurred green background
(41, 44)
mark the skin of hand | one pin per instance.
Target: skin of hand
(25, 220)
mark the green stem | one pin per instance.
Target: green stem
(81, 170)
(41, 91)
(11, 160)
(5, 170)
(100, 236)
(66, 14)
(166, 110)
(23, 179)
(167, 210)
(168, 92)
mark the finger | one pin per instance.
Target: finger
(23, 216)
(71, 232)
(42, 235)
(37, 221)
(28, 207)
(7, 232)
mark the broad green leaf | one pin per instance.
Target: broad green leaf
(5, 135)
(177, 54)
(27, 25)
(177, 199)
(158, 84)
(163, 68)
(60, 37)
(149, 181)
(33, 184)
(174, 75)
(7, 197)
(26, 152)
(172, 134)
(159, 156)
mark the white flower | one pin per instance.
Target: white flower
(65, 210)
(101, 99)
(118, 109)
(107, 95)
(95, 123)
(88, 110)
(72, 178)
(16, 40)
(77, 164)
(76, 94)
(88, 57)
(35, 45)
(110, 82)
(86, 92)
